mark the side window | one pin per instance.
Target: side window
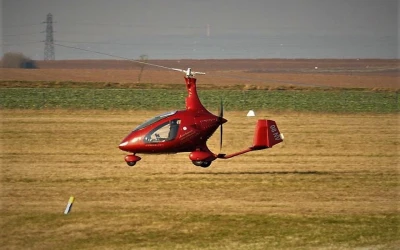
(164, 132)
(173, 129)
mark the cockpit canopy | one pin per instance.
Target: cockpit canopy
(154, 120)
(164, 132)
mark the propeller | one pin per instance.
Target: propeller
(221, 118)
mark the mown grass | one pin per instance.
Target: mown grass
(333, 183)
(316, 100)
(145, 228)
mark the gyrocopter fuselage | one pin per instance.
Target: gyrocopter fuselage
(188, 131)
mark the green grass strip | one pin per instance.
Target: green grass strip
(335, 101)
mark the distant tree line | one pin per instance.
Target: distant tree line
(17, 60)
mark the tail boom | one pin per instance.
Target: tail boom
(266, 135)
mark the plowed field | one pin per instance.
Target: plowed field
(261, 72)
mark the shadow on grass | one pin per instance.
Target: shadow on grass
(263, 173)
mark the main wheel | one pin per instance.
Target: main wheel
(205, 164)
(197, 163)
(131, 163)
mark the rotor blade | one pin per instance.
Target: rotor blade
(189, 72)
(181, 70)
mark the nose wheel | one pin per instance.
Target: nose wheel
(131, 163)
(132, 159)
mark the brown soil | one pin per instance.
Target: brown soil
(368, 73)
(270, 65)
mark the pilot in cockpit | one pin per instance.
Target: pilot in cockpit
(174, 126)
(166, 132)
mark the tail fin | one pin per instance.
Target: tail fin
(266, 135)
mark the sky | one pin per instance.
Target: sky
(202, 29)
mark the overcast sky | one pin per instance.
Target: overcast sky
(204, 28)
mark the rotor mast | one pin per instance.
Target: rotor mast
(192, 100)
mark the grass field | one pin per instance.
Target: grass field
(305, 100)
(333, 184)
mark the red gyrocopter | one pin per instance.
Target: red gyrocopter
(188, 131)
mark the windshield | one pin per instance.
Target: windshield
(155, 119)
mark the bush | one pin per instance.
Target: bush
(17, 60)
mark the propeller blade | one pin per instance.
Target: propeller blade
(221, 109)
(220, 139)
(221, 116)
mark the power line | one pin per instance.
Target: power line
(26, 34)
(20, 43)
(23, 25)
(129, 25)
(91, 42)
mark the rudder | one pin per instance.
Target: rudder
(266, 135)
